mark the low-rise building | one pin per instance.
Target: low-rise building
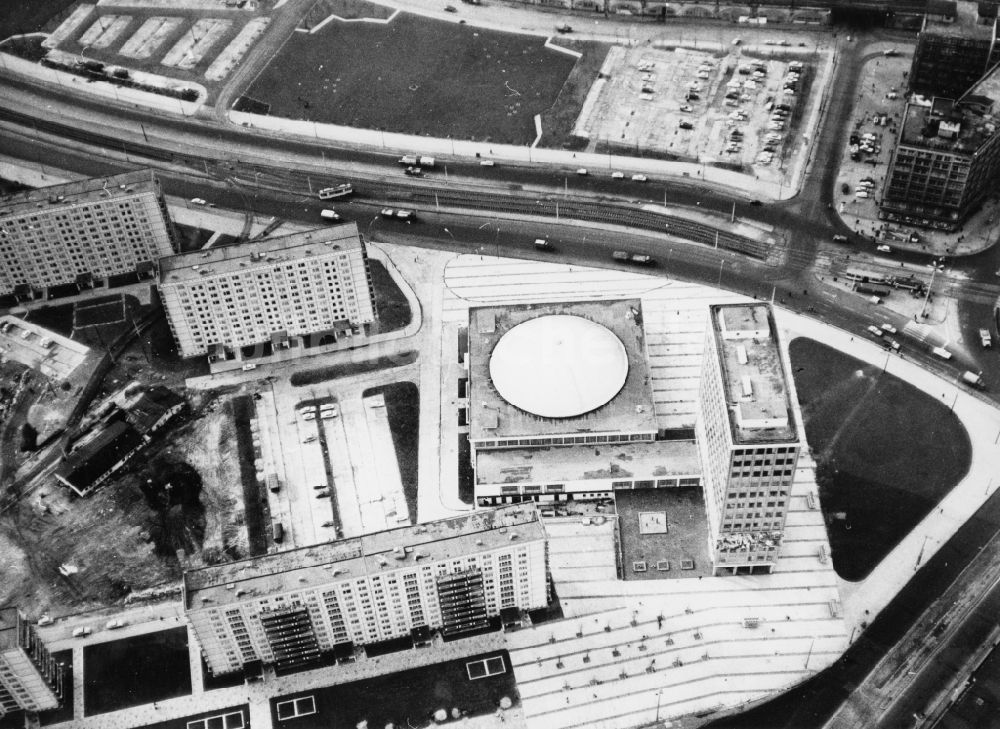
(121, 434)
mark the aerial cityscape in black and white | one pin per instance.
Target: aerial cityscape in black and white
(505, 364)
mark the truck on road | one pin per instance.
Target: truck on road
(971, 378)
(329, 214)
(412, 160)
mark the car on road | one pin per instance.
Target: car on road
(542, 244)
(450, 9)
(328, 524)
(564, 28)
(686, 108)
(893, 344)
(329, 214)
(198, 201)
(319, 486)
(617, 175)
(322, 494)
(985, 339)
(641, 258)
(883, 249)
(582, 171)
(413, 172)
(890, 53)
(639, 178)
(888, 328)
(874, 330)
(686, 125)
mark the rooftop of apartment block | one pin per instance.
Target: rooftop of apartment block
(753, 375)
(256, 254)
(91, 190)
(321, 564)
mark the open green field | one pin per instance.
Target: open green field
(416, 76)
(18, 16)
(886, 452)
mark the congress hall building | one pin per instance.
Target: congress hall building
(561, 408)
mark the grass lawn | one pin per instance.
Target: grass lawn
(882, 448)
(558, 121)
(136, 671)
(407, 698)
(418, 76)
(402, 404)
(391, 307)
(347, 9)
(323, 374)
(29, 17)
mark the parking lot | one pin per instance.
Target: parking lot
(324, 458)
(737, 107)
(879, 105)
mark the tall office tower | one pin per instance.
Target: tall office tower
(947, 159)
(278, 292)
(749, 438)
(290, 607)
(955, 47)
(81, 230)
(30, 679)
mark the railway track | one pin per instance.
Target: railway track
(427, 192)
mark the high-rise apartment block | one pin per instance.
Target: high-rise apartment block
(30, 679)
(947, 159)
(294, 290)
(957, 45)
(749, 438)
(290, 607)
(91, 228)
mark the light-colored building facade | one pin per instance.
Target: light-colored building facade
(30, 679)
(290, 607)
(91, 228)
(295, 290)
(749, 438)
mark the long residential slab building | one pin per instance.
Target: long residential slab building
(92, 228)
(291, 607)
(291, 291)
(30, 679)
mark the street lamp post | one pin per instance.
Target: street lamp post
(935, 267)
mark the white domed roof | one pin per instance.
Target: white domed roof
(559, 366)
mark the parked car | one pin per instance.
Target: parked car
(82, 631)
(198, 201)
(639, 178)
(115, 624)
